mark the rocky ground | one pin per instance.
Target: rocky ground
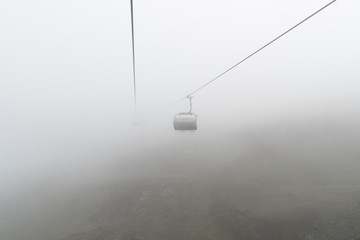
(265, 185)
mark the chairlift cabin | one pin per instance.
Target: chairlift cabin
(185, 122)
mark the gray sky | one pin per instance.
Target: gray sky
(77, 53)
(65, 73)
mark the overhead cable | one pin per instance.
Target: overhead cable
(133, 50)
(252, 54)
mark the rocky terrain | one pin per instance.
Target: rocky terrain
(252, 185)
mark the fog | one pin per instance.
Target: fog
(276, 153)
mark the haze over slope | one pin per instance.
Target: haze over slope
(289, 181)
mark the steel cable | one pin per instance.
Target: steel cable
(252, 54)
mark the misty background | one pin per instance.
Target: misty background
(66, 90)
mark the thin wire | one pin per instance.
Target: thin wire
(252, 54)
(133, 50)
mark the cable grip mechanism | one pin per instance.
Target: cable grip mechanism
(190, 99)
